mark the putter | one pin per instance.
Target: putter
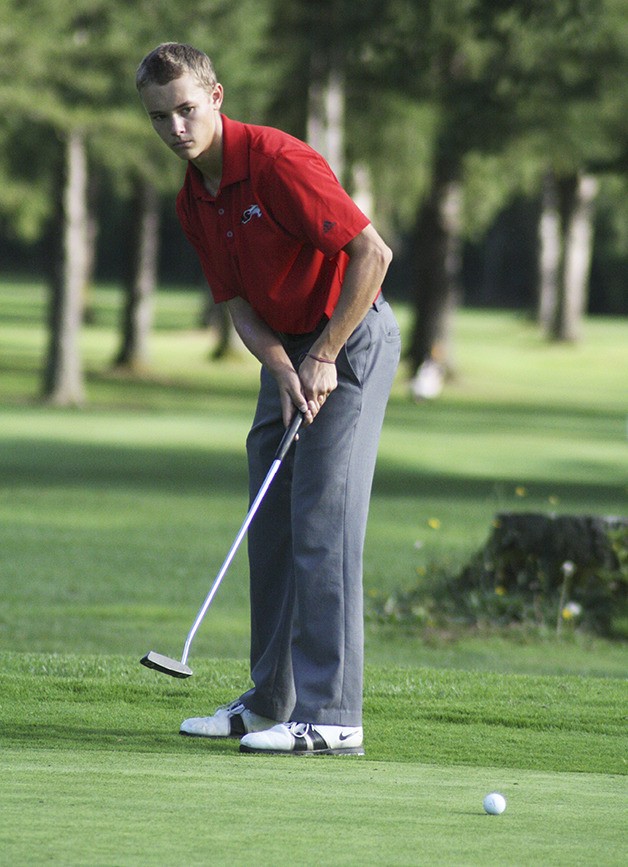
(179, 668)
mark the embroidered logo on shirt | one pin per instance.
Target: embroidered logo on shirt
(253, 211)
(327, 226)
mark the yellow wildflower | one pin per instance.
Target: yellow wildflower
(571, 610)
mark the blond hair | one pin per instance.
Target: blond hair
(171, 60)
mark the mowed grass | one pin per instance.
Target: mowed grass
(94, 772)
(114, 519)
(113, 522)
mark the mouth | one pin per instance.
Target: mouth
(182, 145)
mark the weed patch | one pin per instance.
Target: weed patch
(536, 573)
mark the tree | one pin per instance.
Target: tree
(542, 76)
(565, 251)
(144, 171)
(565, 69)
(65, 71)
(76, 74)
(450, 70)
(438, 252)
(63, 375)
(441, 111)
(141, 279)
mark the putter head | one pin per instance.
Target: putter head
(166, 665)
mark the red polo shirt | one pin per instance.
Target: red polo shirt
(274, 233)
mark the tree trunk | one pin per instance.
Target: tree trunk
(63, 375)
(362, 191)
(578, 249)
(565, 250)
(141, 281)
(549, 253)
(326, 113)
(560, 563)
(438, 255)
(89, 313)
(216, 318)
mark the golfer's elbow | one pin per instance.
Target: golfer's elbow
(386, 255)
(372, 250)
(381, 257)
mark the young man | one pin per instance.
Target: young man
(300, 269)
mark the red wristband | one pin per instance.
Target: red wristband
(322, 360)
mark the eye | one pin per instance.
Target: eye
(187, 110)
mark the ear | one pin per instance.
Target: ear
(217, 96)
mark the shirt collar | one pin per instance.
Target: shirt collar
(235, 159)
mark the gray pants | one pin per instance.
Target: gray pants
(306, 542)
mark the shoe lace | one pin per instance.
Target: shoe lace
(235, 707)
(298, 729)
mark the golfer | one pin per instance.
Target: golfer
(300, 269)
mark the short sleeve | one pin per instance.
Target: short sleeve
(307, 200)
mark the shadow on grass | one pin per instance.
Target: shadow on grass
(179, 387)
(50, 463)
(395, 481)
(94, 738)
(477, 417)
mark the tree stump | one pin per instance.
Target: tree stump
(557, 560)
(556, 539)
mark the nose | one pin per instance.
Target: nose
(177, 127)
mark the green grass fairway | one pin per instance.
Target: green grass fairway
(114, 520)
(95, 808)
(94, 772)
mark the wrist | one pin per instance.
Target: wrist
(320, 359)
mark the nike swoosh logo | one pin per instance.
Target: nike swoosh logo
(343, 736)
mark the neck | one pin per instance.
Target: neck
(209, 163)
(211, 183)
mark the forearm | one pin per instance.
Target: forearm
(259, 339)
(264, 344)
(369, 258)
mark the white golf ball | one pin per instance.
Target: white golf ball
(494, 803)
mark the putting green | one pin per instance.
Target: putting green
(118, 807)
(94, 772)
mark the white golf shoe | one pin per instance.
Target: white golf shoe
(230, 721)
(305, 739)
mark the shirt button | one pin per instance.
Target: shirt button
(221, 211)
(229, 234)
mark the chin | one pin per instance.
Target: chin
(185, 153)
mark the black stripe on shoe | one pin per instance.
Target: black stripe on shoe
(237, 727)
(317, 743)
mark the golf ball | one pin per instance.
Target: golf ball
(494, 803)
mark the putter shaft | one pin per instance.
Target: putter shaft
(180, 669)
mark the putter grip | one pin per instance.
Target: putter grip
(288, 437)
